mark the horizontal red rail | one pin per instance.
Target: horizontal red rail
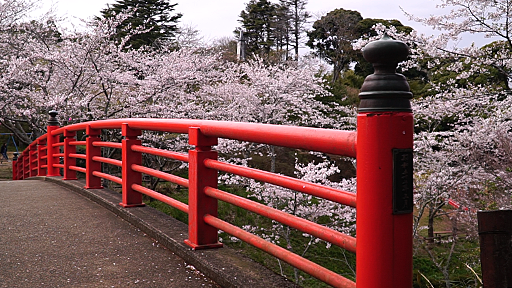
(108, 161)
(159, 152)
(162, 175)
(315, 139)
(79, 169)
(108, 144)
(108, 177)
(160, 197)
(293, 259)
(77, 143)
(203, 169)
(319, 231)
(317, 190)
(80, 156)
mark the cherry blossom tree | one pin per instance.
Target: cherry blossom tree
(463, 128)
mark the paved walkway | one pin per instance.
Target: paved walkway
(53, 237)
(54, 233)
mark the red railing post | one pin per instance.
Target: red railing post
(41, 160)
(20, 164)
(26, 164)
(69, 136)
(32, 159)
(384, 171)
(131, 198)
(200, 234)
(15, 166)
(91, 181)
(53, 124)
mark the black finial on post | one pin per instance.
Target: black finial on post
(52, 121)
(15, 157)
(385, 90)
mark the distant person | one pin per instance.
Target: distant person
(3, 151)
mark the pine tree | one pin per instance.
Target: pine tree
(298, 17)
(258, 22)
(145, 14)
(332, 36)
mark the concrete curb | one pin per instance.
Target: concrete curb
(224, 266)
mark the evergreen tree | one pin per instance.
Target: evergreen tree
(332, 38)
(298, 17)
(258, 23)
(145, 14)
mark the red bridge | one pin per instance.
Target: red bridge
(382, 146)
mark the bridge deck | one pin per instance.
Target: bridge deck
(50, 236)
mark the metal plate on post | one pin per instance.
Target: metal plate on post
(402, 181)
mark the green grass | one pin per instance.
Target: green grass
(333, 258)
(467, 252)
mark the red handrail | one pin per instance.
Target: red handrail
(382, 146)
(203, 136)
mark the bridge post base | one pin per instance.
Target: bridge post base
(204, 246)
(132, 205)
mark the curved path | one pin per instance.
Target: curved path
(54, 233)
(52, 237)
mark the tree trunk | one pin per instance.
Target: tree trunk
(272, 159)
(430, 235)
(18, 131)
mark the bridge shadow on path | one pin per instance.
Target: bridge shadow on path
(50, 236)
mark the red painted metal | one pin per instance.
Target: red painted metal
(160, 197)
(162, 175)
(110, 161)
(33, 159)
(159, 152)
(200, 234)
(384, 240)
(342, 240)
(26, 167)
(339, 196)
(131, 197)
(108, 177)
(79, 169)
(324, 140)
(80, 156)
(305, 265)
(51, 150)
(92, 181)
(41, 156)
(108, 144)
(77, 143)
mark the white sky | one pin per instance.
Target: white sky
(218, 18)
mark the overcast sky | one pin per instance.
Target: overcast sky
(218, 18)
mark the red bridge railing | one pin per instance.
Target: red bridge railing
(382, 146)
